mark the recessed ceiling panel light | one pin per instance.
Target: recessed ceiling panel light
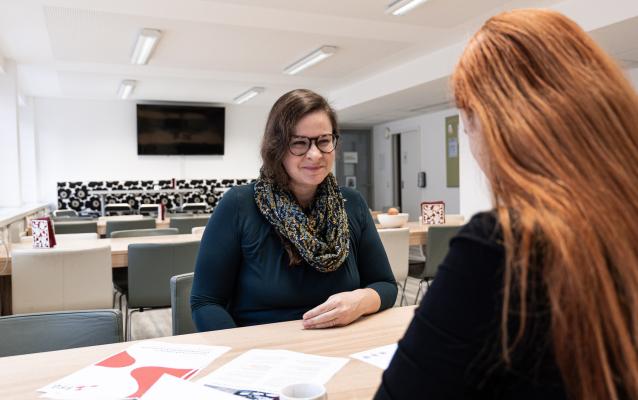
(311, 59)
(401, 7)
(247, 95)
(146, 42)
(126, 88)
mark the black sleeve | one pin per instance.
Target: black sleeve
(374, 267)
(453, 322)
(216, 267)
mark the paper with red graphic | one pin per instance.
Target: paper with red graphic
(131, 372)
(42, 231)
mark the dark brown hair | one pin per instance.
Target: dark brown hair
(559, 123)
(282, 120)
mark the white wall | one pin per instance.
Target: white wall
(475, 194)
(10, 191)
(28, 156)
(97, 140)
(432, 129)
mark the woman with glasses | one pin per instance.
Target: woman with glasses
(537, 299)
(292, 245)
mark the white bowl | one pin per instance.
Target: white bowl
(392, 221)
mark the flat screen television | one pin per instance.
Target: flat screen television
(168, 129)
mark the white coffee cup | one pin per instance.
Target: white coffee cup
(303, 391)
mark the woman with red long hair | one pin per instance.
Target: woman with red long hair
(538, 298)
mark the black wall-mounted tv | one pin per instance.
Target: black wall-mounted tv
(168, 129)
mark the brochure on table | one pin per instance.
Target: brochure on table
(270, 370)
(131, 372)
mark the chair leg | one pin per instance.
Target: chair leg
(402, 287)
(427, 285)
(418, 292)
(129, 314)
(403, 297)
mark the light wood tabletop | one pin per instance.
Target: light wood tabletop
(119, 247)
(418, 233)
(23, 375)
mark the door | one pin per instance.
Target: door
(410, 161)
(353, 161)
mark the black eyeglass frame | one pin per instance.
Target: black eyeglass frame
(335, 140)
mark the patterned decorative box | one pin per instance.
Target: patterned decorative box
(432, 212)
(43, 234)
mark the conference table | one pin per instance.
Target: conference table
(23, 375)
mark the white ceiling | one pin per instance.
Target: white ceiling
(213, 50)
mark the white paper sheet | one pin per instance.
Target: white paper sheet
(270, 370)
(379, 356)
(131, 372)
(169, 387)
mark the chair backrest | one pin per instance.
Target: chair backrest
(148, 209)
(396, 243)
(198, 230)
(144, 232)
(117, 208)
(150, 268)
(61, 279)
(186, 224)
(65, 213)
(62, 226)
(33, 333)
(181, 304)
(194, 207)
(129, 224)
(437, 246)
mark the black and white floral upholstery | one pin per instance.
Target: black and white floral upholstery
(76, 195)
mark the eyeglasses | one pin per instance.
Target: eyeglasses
(299, 145)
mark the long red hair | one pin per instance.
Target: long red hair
(559, 129)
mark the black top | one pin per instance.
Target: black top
(452, 348)
(242, 274)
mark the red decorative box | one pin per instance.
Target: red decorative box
(43, 234)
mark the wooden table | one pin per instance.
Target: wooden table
(418, 233)
(119, 247)
(23, 375)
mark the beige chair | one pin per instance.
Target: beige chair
(61, 279)
(396, 243)
(195, 207)
(198, 230)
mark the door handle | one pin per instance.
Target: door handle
(421, 179)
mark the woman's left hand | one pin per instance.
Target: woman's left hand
(342, 308)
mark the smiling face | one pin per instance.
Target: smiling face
(307, 171)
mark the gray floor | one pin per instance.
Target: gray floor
(157, 323)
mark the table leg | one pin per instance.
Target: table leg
(5, 295)
(102, 205)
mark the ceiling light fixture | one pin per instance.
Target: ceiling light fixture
(247, 95)
(126, 88)
(401, 7)
(311, 59)
(146, 42)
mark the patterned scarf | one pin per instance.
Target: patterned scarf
(322, 237)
